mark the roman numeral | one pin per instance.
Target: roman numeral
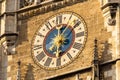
(69, 56)
(40, 56)
(48, 25)
(36, 47)
(77, 23)
(48, 61)
(59, 19)
(80, 34)
(77, 45)
(58, 61)
(39, 34)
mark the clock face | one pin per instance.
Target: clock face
(59, 40)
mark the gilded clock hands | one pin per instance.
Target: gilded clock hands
(58, 51)
(68, 24)
(58, 41)
(76, 23)
(55, 39)
(52, 47)
(58, 28)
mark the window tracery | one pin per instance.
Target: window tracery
(29, 2)
(24, 3)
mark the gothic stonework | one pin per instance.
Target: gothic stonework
(92, 20)
(28, 12)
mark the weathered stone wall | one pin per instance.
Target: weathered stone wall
(108, 72)
(89, 11)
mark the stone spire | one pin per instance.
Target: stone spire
(95, 62)
(29, 75)
(18, 73)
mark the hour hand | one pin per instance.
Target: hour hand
(58, 28)
(57, 53)
(52, 47)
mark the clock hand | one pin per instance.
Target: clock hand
(67, 23)
(57, 53)
(55, 39)
(58, 28)
(71, 23)
(60, 38)
(58, 43)
(52, 47)
(76, 24)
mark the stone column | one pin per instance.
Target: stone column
(3, 63)
(95, 62)
(8, 34)
(10, 25)
(118, 43)
(117, 27)
(18, 72)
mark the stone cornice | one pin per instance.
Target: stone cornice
(40, 9)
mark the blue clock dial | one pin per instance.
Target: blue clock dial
(64, 43)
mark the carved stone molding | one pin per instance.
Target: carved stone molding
(111, 21)
(8, 42)
(39, 9)
(109, 14)
(109, 8)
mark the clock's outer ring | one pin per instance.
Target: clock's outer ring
(85, 39)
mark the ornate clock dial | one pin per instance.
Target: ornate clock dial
(59, 40)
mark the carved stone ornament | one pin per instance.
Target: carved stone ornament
(28, 2)
(8, 41)
(43, 8)
(111, 21)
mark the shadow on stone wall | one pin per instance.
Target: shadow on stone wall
(107, 72)
(29, 74)
(106, 53)
(22, 29)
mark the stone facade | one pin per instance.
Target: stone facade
(26, 19)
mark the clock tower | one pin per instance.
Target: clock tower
(59, 40)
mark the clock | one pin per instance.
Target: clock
(59, 40)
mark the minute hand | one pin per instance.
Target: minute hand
(74, 26)
(67, 26)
